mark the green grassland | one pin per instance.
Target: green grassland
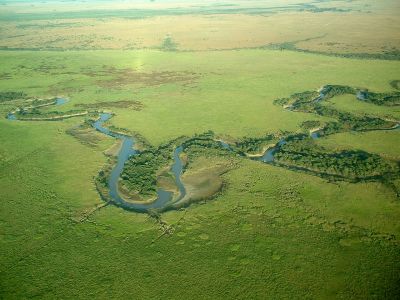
(271, 232)
(202, 92)
(349, 103)
(380, 142)
(264, 237)
(168, 69)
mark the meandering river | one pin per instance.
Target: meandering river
(127, 150)
(164, 197)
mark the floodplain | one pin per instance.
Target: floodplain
(288, 181)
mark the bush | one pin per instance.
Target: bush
(9, 96)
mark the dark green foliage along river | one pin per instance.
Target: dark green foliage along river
(165, 199)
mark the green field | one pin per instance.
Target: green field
(350, 104)
(202, 93)
(269, 231)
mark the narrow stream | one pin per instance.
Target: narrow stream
(176, 169)
(322, 93)
(269, 154)
(58, 101)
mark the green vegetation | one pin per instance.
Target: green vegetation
(352, 122)
(208, 102)
(388, 99)
(168, 44)
(320, 222)
(352, 105)
(385, 55)
(36, 114)
(312, 102)
(296, 100)
(395, 84)
(135, 105)
(310, 124)
(140, 172)
(356, 165)
(379, 142)
(258, 221)
(86, 134)
(9, 96)
(255, 145)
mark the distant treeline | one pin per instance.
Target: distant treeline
(387, 55)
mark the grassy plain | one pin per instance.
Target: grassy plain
(241, 237)
(349, 103)
(50, 249)
(202, 91)
(335, 27)
(379, 142)
(271, 232)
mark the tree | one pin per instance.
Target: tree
(169, 44)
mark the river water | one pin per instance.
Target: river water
(127, 150)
